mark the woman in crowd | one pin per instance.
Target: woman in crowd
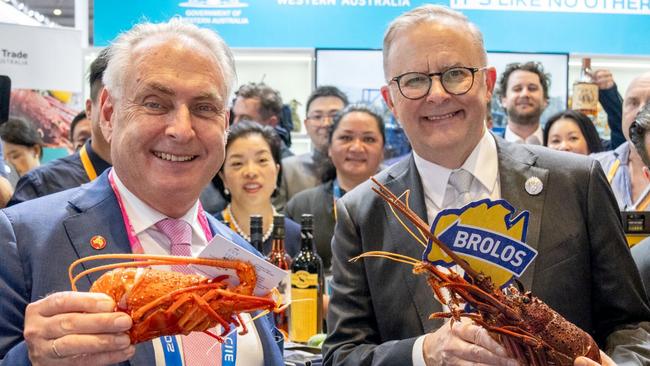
(572, 131)
(23, 146)
(249, 177)
(356, 149)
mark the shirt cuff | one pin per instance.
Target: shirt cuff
(417, 356)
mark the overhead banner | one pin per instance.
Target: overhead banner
(569, 26)
(41, 58)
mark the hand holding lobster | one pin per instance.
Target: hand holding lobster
(464, 343)
(76, 328)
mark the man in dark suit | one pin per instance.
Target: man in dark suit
(163, 109)
(438, 87)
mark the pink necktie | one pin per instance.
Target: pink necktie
(179, 233)
(198, 348)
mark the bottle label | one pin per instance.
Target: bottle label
(304, 306)
(585, 97)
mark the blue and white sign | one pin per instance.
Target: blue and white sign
(571, 26)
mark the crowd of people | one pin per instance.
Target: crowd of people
(165, 136)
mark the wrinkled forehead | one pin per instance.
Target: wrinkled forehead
(177, 52)
(639, 87)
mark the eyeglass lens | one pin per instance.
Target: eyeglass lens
(416, 85)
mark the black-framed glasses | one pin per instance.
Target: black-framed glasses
(455, 81)
(321, 118)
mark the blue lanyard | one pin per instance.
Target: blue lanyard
(337, 192)
(173, 356)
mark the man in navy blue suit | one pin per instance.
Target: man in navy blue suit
(164, 112)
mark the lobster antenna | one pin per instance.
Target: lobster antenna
(388, 255)
(394, 201)
(406, 194)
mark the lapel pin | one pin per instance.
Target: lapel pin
(534, 186)
(98, 242)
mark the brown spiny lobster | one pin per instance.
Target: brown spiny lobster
(530, 330)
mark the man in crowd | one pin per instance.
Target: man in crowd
(301, 172)
(260, 103)
(438, 88)
(640, 138)
(92, 158)
(623, 166)
(80, 130)
(164, 112)
(523, 88)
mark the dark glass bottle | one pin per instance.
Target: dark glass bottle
(257, 233)
(306, 286)
(282, 260)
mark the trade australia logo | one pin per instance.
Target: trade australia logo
(13, 57)
(487, 235)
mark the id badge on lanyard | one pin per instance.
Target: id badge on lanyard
(174, 357)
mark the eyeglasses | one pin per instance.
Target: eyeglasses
(321, 118)
(455, 81)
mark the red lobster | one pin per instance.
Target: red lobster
(168, 303)
(530, 330)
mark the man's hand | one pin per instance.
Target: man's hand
(76, 328)
(603, 78)
(464, 343)
(584, 361)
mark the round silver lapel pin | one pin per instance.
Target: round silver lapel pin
(534, 186)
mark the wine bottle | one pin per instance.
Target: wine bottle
(585, 92)
(257, 233)
(306, 287)
(282, 260)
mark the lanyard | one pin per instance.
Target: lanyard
(87, 164)
(136, 246)
(337, 192)
(612, 171)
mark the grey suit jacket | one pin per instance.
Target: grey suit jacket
(583, 270)
(300, 172)
(40, 238)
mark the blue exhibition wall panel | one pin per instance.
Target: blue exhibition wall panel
(575, 26)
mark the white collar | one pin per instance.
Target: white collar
(142, 216)
(511, 136)
(482, 163)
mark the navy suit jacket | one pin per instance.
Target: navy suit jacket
(40, 238)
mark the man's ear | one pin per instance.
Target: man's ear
(273, 121)
(106, 115)
(385, 93)
(89, 108)
(490, 81)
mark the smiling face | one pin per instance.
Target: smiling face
(167, 129)
(524, 98)
(249, 172)
(565, 135)
(441, 127)
(357, 147)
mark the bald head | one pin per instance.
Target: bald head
(636, 97)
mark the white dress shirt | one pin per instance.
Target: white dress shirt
(537, 138)
(483, 164)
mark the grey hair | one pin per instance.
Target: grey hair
(638, 130)
(425, 14)
(122, 48)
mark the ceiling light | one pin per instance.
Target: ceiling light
(57, 12)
